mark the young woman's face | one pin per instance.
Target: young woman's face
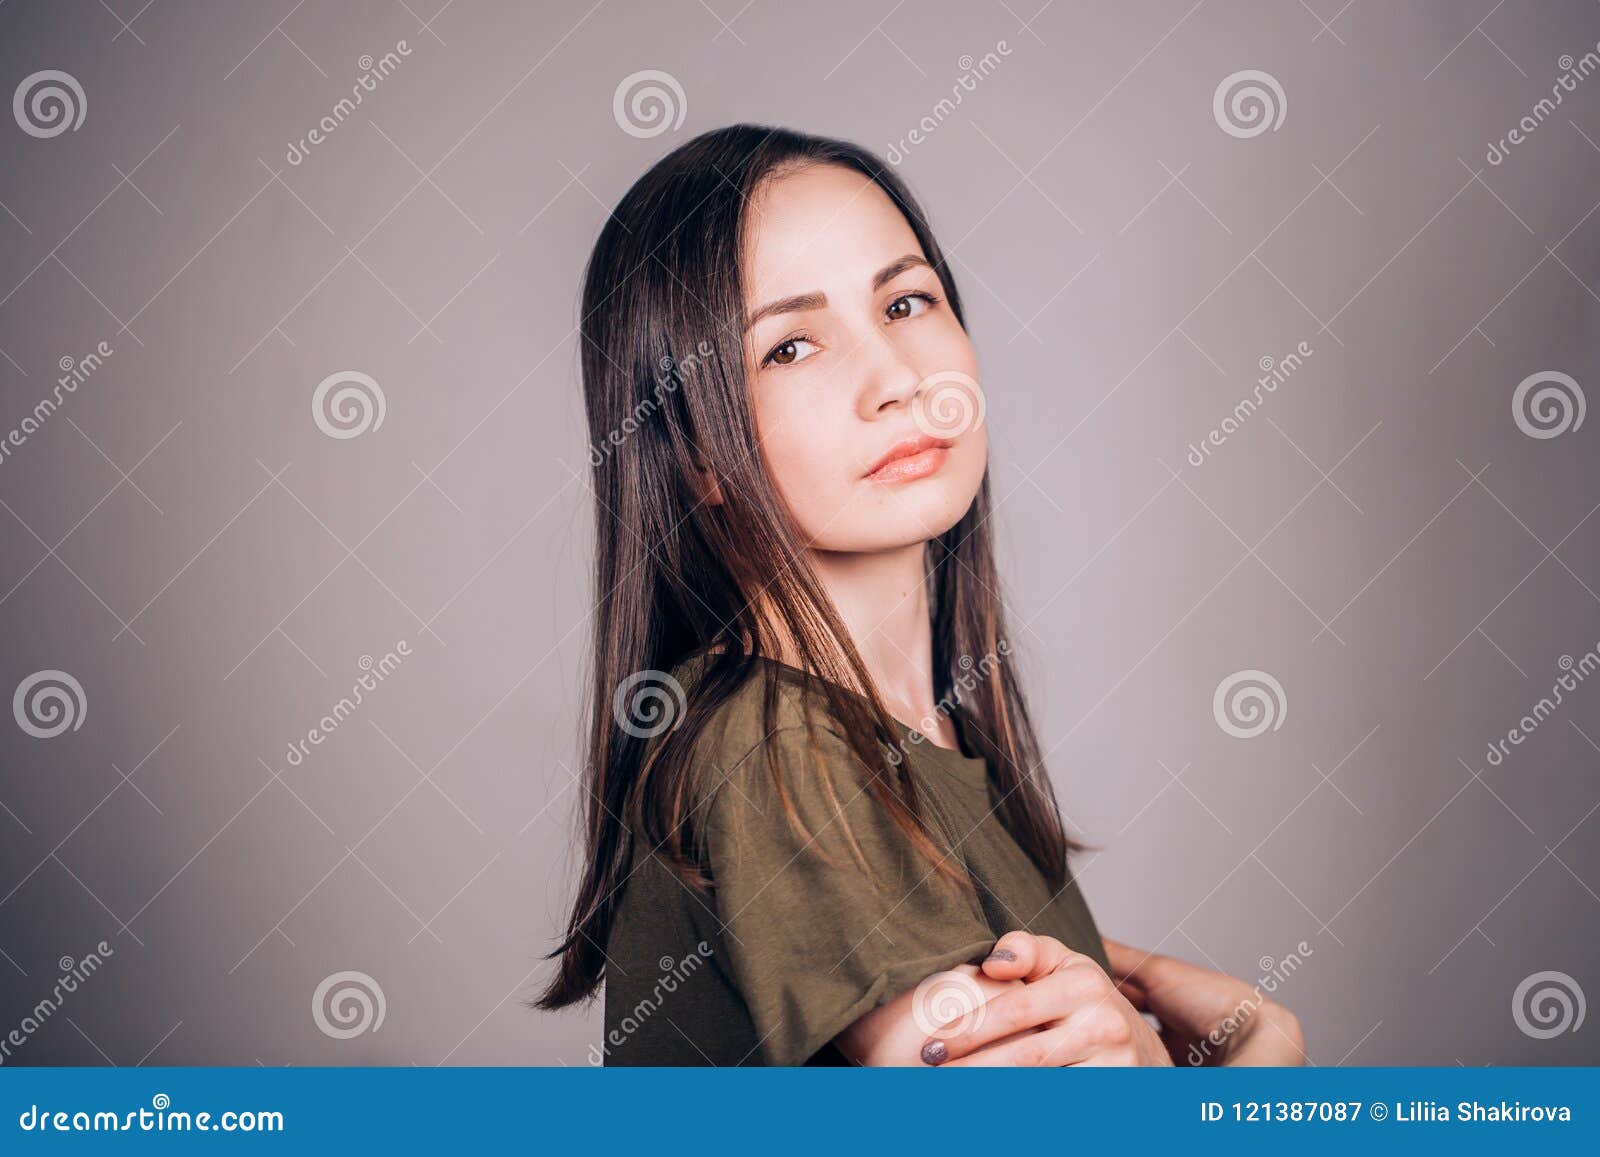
(863, 383)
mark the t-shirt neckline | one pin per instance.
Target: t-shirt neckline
(957, 761)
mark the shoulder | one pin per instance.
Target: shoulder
(733, 698)
(763, 718)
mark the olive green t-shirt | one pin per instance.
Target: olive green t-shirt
(793, 943)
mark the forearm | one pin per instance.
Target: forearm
(1200, 1007)
(1271, 1037)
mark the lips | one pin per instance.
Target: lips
(909, 459)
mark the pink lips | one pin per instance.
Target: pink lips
(911, 459)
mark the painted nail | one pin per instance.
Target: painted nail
(935, 1052)
(1003, 954)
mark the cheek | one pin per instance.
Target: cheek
(975, 447)
(801, 448)
(950, 347)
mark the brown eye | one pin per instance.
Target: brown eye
(788, 353)
(911, 305)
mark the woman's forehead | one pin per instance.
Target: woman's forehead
(820, 225)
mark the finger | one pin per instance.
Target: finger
(1021, 955)
(1078, 1040)
(1012, 957)
(1029, 1006)
(1108, 1060)
(1046, 1048)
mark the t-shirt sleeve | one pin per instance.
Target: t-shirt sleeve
(814, 942)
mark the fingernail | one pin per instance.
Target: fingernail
(935, 1052)
(1002, 954)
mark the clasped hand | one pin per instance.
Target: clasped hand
(1046, 1005)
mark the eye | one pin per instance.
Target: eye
(787, 353)
(910, 305)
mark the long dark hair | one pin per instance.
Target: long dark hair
(664, 385)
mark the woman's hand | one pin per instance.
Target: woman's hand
(1207, 1018)
(894, 1032)
(1066, 1011)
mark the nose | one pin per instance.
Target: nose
(888, 379)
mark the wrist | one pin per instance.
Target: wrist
(1272, 1036)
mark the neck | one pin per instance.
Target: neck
(883, 599)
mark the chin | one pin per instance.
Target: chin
(912, 517)
(930, 508)
(945, 514)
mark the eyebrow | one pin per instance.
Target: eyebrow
(817, 299)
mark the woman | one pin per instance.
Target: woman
(793, 561)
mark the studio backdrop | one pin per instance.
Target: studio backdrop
(1288, 318)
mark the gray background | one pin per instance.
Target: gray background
(1380, 536)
